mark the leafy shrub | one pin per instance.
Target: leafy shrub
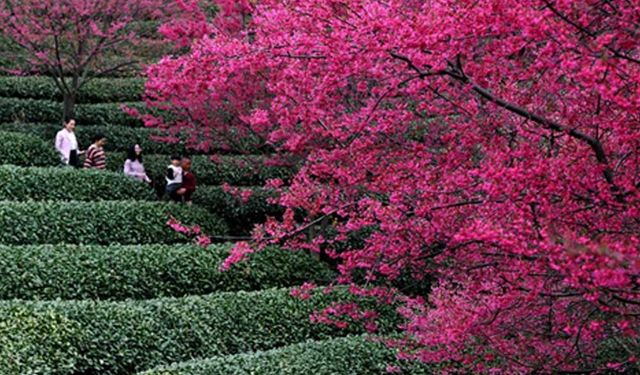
(124, 337)
(106, 113)
(119, 138)
(26, 150)
(245, 170)
(31, 110)
(345, 355)
(57, 183)
(107, 222)
(142, 272)
(98, 90)
(22, 332)
(241, 216)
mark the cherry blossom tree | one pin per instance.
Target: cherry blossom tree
(490, 147)
(74, 41)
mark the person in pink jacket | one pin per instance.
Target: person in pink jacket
(67, 144)
(133, 166)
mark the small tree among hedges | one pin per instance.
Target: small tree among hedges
(74, 40)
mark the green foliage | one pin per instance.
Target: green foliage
(241, 216)
(142, 272)
(348, 355)
(107, 222)
(98, 90)
(237, 170)
(26, 150)
(106, 113)
(31, 110)
(22, 332)
(66, 184)
(124, 337)
(119, 138)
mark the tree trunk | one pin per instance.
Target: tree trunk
(69, 105)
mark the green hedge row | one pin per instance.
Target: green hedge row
(237, 170)
(147, 271)
(345, 355)
(241, 216)
(89, 337)
(102, 223)
(26, 150)
(31, 110)
(59, 183)
(68, 184)
(98, 90)
(119, 138)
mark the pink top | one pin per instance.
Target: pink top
(136, 170)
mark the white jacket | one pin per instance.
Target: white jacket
(65, 142)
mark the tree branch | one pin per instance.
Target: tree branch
(456, 72)
(586, 31)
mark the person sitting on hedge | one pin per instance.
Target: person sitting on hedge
(67, 144)
(174, 177)
(188, 182)
(133, 166)
(95, 156)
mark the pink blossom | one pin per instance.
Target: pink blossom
(238, 253)
(481, 155)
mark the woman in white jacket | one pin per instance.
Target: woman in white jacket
(67, 144)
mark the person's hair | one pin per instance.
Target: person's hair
(176, 157)
(67, 119)
(131, 154)
(98, 137)
(186, 157)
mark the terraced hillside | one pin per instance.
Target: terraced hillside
(92, 280)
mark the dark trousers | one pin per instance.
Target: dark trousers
(74, 160)
(172, 192)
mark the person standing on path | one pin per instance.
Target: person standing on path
(133, 166)
(67, 144)
(96, 158)
(188, 181)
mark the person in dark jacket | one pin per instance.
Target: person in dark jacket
(188, 181)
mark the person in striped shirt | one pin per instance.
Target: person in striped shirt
(95, 156)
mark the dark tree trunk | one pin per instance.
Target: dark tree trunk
(69, 105)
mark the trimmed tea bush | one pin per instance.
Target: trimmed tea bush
(124, 337)
(142, 272)
(246, 170)
(119, 138)
(102, 223)
(12, 109)
(26, 150)
(106, 113)
(22, 332)
(347, 355)
(240, 215)
(31, 110)
(97, 90)
(66, 184)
